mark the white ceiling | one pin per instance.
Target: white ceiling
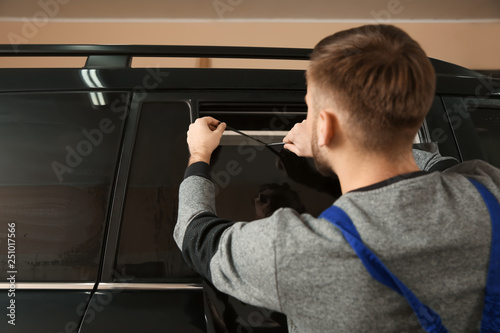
(335, 10)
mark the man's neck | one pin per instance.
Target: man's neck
(358, 170)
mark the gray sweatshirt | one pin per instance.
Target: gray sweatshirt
(431, 229)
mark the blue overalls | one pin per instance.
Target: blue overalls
(430, 320)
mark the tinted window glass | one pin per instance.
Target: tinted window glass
(476, 123)
(59, 153)
(147, 250)
(252, 180)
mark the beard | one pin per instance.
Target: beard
(320, 161)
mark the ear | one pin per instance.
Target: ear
(327, 127)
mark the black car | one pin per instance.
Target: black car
(92, 158)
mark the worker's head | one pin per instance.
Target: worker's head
(370, 88)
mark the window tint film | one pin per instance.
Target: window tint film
(476, 123)
(59, 153)
(147, 251)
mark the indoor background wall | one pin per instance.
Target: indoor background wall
(468, 37)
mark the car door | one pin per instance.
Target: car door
(146, 285)
(59, 152)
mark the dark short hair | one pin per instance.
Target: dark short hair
(380, 77)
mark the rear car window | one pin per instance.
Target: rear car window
(59, 154)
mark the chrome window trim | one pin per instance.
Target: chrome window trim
(230, 138)
(149, 286)
(102, 286)
(49, 286)
(253, 113)
(256, 133)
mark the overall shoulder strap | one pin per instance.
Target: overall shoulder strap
(490, 322)
(429, 320)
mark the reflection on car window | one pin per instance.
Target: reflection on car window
(251, 182)
(59, 153)
(147, 250)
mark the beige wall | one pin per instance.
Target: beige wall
(472, 45)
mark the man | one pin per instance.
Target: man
(369, 90)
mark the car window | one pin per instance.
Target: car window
(252, 180)
(58, 157)
(146, 250)
(476, 124)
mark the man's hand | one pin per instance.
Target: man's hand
(298, 140)
(203, 137)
